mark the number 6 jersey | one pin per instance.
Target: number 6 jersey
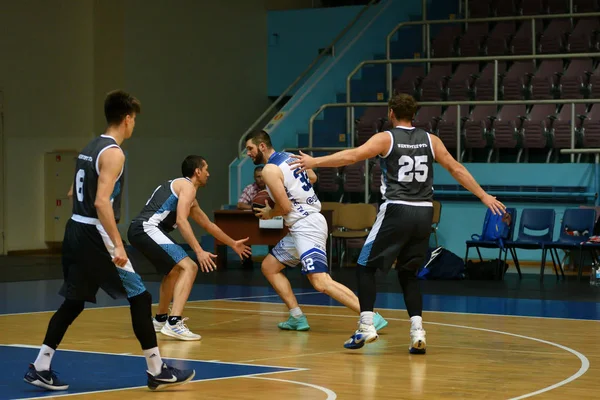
(407, 168)
(86, 179)
(297, 187)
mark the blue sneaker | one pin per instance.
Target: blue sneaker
(294, 324)
(170, 376)
(364, 334)
(44, 379)
(379, 322)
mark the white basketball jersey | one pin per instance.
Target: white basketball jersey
(298, 188)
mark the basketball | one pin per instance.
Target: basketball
(259, 199)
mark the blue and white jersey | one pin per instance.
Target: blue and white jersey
(298, 188)
(161, 208)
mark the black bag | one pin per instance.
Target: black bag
(489, 270)
(442, 264)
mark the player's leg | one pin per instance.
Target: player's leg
(282, 255)
(125, 282)
(410, 259)
(75, 290)
(379, 252)
(180, 273)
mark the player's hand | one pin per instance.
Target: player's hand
(263, 212)
(241, 249)
(120, 258)
(205, 259)
(495, 205)
(303, 161)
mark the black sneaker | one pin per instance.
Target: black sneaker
(170, 376)
(44, 379)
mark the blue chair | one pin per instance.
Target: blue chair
(488, 244)
(540, 223)
(581, 220)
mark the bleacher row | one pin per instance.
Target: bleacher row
(489, 129)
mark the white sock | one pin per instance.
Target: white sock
(296, 312)
(44, 358)
(366, 317)
(153, 360)
(416, 322)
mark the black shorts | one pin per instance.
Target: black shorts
(87, 264)
(156, 245)
(401, 232)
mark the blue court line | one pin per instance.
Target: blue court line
(89, 372)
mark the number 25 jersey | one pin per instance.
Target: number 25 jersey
(297, 187)
(407, 168)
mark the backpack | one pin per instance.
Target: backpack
(496, 227)
(491, 270)
(442, 264)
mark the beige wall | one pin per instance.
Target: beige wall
(199, 72)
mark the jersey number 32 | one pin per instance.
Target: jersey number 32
(412, 169)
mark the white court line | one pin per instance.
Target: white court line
(585, 363)
(426, 311)
(330, 393)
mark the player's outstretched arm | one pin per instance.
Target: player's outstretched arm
(110, 166)
(462, 175)
(202, 219)
(273, 178)
(312, 176)
(187, 196)
(378, 144)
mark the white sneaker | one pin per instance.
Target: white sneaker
(418, 344)
(364, 334)
(157, 325)
(179, 331)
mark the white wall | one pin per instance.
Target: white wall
(200, 73)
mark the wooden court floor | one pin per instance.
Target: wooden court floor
(469, 356)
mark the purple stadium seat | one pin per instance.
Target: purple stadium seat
(446, 127)
(561, 127)
(434, 84)
(375, 178)
(504, 8)
(410, 79)
(484, 85)
(370, 123)
(470, 43)
(478, 127)
(532, 7)
(427, 118)
(581, 6)
(444, 42)
(522, 42)
(591, 127)
(354, 178)
(584, 37)
(507, 126)
(595, 85)
(480, 8)
(545, 81)
(553, 40)
(328, 180)
(499, 38)
(536, 127)
(575, 80)
(459, 86)
(558, 6)
(516, 80)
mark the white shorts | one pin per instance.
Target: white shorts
(306, 243)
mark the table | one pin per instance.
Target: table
(239, 224)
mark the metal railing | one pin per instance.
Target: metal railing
(303, 75)
(458, 118)
(428, 24)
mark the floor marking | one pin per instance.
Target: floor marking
(330, 393)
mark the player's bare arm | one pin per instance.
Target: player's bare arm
(187, 195)
(462, 175)
(378, 144)
(70, 192)
(273, 178)
(110, 165)
(202, 219)
(312, 176)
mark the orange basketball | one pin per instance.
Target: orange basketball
(260, 198)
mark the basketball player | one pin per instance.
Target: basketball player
(300, 207)
(93, 255)
(403, 226)
(168, 208)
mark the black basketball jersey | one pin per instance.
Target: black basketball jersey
(86, 179)
(407, 171)
(161, 208)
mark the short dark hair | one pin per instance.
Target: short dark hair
(404, 106)
(118, 104)
(259, 137)
(189, 165)
(259, 168)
